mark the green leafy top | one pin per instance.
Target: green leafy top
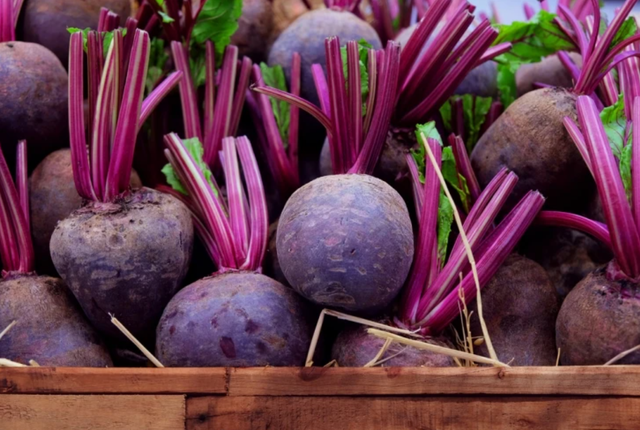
(158, 58)
(274, 77)
(107, 37)
(363, 52)
(618, 130)
(453, 179)
(628, 28)
(196, 150)
(475, 110)
(217, 22)
(531, 42)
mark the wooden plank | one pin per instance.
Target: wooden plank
(66, 380)
(417, 413)
(317, 381)
(95, 412)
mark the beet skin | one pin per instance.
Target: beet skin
(599, 319)
(45, 22)
(33, 100)
(530, 139)
(127, 258)
(254, 29)
(52, 198)
(354, 347)
(345, 241)
(234, 319)
(520, 306)
(50, 327)
(549, 71)
(306, 35)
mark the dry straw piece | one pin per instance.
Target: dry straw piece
(135, 341)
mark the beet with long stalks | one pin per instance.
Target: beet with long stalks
(237, 316)
(439, 280)
(530, 137)
(52, 190)
(49, 325)
(33, 104)
(124, 252)
(339, 235)
(607, 298)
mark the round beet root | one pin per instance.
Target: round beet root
(520, 306)
(33, 100)
(234, 319)
(568, 256)
(50, 327)
(127, 258)
(45, 22)
(549, 71)
(599, 319)
(53, 197)
(530, 139)
(306, 36)
(354, 347)
(345, 241)
(254, 28)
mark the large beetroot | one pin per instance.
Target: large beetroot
(608, 298)
(124, 252)
(530, 137)
(237, 316)
(345, 241)
(49, 325)
(33, 96)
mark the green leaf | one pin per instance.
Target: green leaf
(615, 124)
(196, 150)
(158, 58)
(217, 22)
(627, 29)
(625, 169)
(165, 18)
(363, 53)
(107, 37)
(532, 41)
(475, 110)
(197, 64)
(274, 77)
(445, 221)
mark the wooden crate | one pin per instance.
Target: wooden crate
(572, 398)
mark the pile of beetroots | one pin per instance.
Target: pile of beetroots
(220, 175)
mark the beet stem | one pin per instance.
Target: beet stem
(576, 222)
(294, 115)
(188, 96)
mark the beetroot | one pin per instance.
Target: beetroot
(124, 253)
(611, 306)
(45, 22)
(326, 244)
(128, 257)
(50, 328)
(33, 99)
(234, 319)
(549, 71)
(254, 29)
(354, 347)
(530, 138)
(237, 317)
(337, 238)
(520, 308)
(53, 197)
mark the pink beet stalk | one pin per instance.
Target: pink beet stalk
(236, 239)
(117, 110)
(338, 112)
(16, 249)
(430, 301)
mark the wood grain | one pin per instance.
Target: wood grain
(316, 381)
(66, 380)
(407, 413)
(95, 412)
